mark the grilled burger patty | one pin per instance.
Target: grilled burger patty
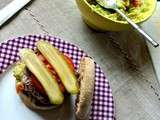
(35, 95)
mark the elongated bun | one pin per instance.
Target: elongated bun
(86, 78)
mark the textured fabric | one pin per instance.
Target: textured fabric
(102, 103)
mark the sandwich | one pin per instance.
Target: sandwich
(44, 78)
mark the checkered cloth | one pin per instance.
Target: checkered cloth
(102, 104)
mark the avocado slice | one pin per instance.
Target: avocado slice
(56, 59)
(19, 71)
(36, 66)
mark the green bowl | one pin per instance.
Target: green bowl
(101, 23)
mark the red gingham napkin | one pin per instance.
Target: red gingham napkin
(102, 103)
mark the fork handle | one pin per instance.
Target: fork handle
(136, 27)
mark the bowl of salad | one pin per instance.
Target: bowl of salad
(108, 20)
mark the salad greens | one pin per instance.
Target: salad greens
(132, 10)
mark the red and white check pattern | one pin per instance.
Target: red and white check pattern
(102, 104)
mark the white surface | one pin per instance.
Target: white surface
(9, 10)
(12, 108)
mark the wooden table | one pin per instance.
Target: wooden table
(123, 57)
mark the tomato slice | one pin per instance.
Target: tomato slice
(41, 57)
(37, 84)
(69, 61)
(62, 88)
(19, 87)
(136, 3)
